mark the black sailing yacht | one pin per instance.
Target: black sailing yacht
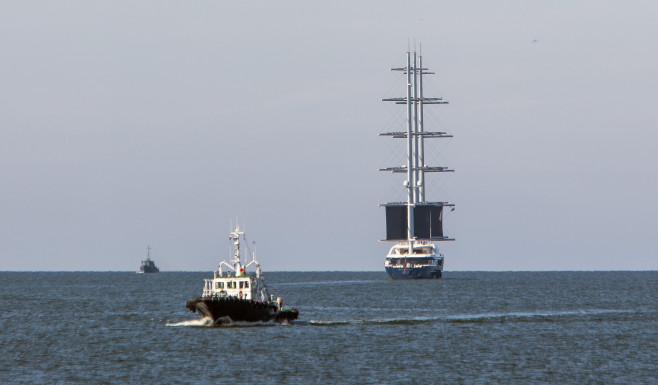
(415, 224)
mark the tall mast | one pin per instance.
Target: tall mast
(416, 219)
(421, 148)
(411, 182)
(415, 137)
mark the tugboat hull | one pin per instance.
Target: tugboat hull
(239, 310)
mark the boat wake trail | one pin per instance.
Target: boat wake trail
(539, 316)
(197, 322)
(376, 321)
(483, 318)
(322, 283)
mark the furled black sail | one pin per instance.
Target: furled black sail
(428, 221)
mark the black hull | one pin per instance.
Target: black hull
(239, 310)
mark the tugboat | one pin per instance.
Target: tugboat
(233, 295)
(148, 266)
(416, 223)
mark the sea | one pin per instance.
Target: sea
(353, 328)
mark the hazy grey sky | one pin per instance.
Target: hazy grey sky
(134, 123)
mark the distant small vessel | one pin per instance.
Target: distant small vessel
(148, 266)
(416, 223)
(236, 296)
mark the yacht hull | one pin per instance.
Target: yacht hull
(417, 272)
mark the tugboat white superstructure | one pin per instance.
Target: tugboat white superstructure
(235, 295)
(416, 223)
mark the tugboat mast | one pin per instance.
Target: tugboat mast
(235, 236)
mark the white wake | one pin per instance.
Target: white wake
(198, 322)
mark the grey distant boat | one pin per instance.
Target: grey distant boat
(148, 265)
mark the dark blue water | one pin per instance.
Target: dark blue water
(360, 328)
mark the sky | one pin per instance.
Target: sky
(127, 124)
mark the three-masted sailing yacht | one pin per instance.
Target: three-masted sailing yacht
(415, 224)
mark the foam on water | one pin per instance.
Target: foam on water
(207, 322)
(198, 322)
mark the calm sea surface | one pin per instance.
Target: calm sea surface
(360, 328)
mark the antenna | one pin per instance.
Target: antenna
(244, 236)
